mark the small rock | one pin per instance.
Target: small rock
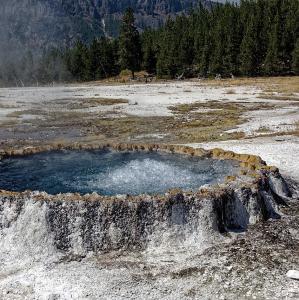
(279, 139)
(293, 274)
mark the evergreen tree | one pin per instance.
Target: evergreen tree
(130, 46)
(167, 63)
(216, 65)
(272, 62)
(248, 50)
(295, 60)
(232, 42)
(149, 59)
(96, 71)
(262, 28)
(79, 62)
(149, 52)
(204, 60)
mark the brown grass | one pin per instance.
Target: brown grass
(289, 84)
(272, 96)
(19, 113)
(8, 123)
(84, 103)
(296, 132)
(263, 129)
(6, 106)
(104, 101)
(15, 114)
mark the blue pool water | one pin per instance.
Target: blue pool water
(110, 173)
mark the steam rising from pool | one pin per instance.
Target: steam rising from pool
(110, 173)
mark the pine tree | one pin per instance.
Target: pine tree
(272, 63)
(262, 29)
(79, 64)
(204, 60)
(184, 43)
(248, 50)
(216, 65)
(295, 61)
(130, 46)
(95, 56)
(149, 59)
(202, 40)
(149, 51)
(233, 38)
(167, 62)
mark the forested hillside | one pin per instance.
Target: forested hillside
(42, 23)
(30, 27)
(256, 38)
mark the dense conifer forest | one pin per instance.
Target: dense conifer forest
(255, 38)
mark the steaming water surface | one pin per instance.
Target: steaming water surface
(110, 173)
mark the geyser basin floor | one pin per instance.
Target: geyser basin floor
(111, 172)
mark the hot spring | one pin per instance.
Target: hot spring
(132, 213)
(111, 173)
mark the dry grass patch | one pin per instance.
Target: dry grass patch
(105, 101)
(6, 106)
(204, 128)
(283, 97)
(8, 123)
(211, 124)
(288, 84)
(296, 132)
(223, 105)
(285, 85)
(93, 102)
(34, 112)
(15, 114)
(263, 129)
(214, 123)
(84, 103)
(228, 82)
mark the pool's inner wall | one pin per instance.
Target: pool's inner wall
(79, 226)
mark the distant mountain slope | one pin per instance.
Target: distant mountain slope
(44, 23)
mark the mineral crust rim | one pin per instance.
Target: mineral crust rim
(251, 165)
